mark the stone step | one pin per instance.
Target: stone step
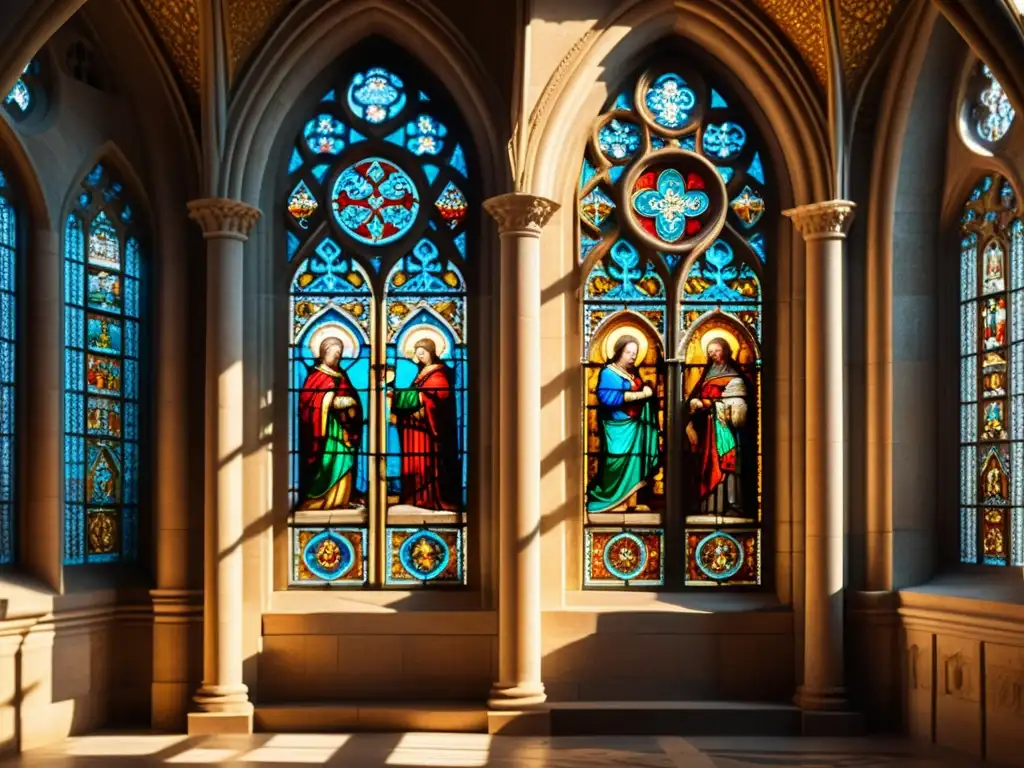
(572, 718)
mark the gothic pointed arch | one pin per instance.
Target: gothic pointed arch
(675, 250)
(379, 254)
(105, 346)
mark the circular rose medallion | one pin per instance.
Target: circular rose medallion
(328, 555)
(625, 556)
(424, 555)
(719, 556)
(375, 201)
(675, 201)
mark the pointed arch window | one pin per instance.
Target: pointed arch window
(8, 366)
(102, 347)
(378, 238)
(992, 376)
(672, 254)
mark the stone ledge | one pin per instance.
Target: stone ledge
(372, 717)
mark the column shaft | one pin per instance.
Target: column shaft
(824, 227)
(520, 218)
(226, 225)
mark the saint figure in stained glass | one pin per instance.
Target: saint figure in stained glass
(425, 414)
(718, 414)
(331, 426)
(628, 422)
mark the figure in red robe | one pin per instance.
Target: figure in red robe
(330, 428)
(426, 417)
(718, 415)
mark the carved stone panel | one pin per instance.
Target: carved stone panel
(918, 693)
(1004, 704)
(958, 694)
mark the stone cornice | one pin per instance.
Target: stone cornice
(520, 212)
(831, 219)
(221, 217)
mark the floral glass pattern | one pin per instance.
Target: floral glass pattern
(24, 96)
(8, 365)
(378, 355)
(641, 312)
(993, 112)
(992, 376)
(103, 346)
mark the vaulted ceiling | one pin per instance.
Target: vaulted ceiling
(248, 22)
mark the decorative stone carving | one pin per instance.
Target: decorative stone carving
(221, 217)
(520, 212)
(958, 676)
(831, 219)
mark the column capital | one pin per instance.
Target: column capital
(818, 221)
(222, 217)
(520, 212)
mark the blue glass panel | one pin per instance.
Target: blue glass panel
(725, 173)
(319, 171)
(624, 101)
(296, 162)
(615, 173)
(396, 137)
(669, 101)
(93, 179)
(129, 533)
(324, 135)
(8, 285)
(756, 171)
(757, 243)
(624, 277)
(376, 95)
(19, 96)
(425, 135)
(587, 244)
(422, 272)
(431, 171)
(132, 259)
(716, 100)
(293, 244)
(587, 172)
(716, 276)
(458, 161)
(424, 97)
(460, 244)
(618, 139)
(689, 143)
(354, 136)
(329, 96)
(375, 201)
(723, 140)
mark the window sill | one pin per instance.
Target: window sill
(962, 603)
(23, 597)
(372, 601)
(713, 601)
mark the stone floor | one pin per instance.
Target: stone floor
(466, 750)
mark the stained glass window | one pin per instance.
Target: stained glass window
(378, 237)
(102, 340)
(992, 376)
(992, 114)
(8, 323)
(22, 98)
(673, 248)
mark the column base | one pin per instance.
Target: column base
(821, 699)
(207, 723)
(516, 697)
(507, 722)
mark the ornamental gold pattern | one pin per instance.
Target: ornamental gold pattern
(177, 25)
(861, 23)
(803, 22)
(247, 23)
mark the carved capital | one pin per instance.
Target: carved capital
(520, 212)
(828, 220)
(221, 217)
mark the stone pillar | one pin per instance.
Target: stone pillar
(520, 219)
(824, 227)
(223, 699)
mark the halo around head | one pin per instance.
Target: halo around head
(720, 333)
(420, 333)
(626, 330)
(349, 342)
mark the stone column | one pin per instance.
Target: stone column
(824, 227)
(520, 219)
(223, 699)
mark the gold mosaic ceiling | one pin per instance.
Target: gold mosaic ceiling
(247, 23)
